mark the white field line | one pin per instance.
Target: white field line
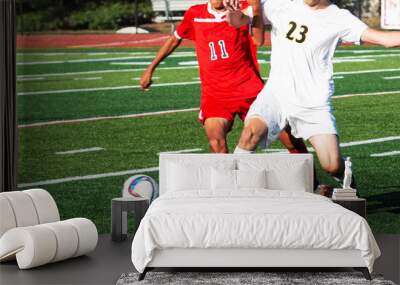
(367, 71)
(183, 151)
(104, 88)
(86, 60)
(367, 94)
(371, 141)
(359, 58)
(75, 60)
(92, 149)
(104, 71)
(30, 79)
(344, 145)
(185, 63)
(124, 43)
(390, 153)
(370, 56)
(154, 77)
(43, 124)
(82, 53)
(391, 77)
(88, 177)
(349, 60)
(153, 169)
(133, 63)
(363, 51)
(338, 77)
(88, 78)
(178, 68)
(130, 116)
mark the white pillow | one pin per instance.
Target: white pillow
(294, 179)
(182, 177)
(186, 176)
(251, 178)
(223, 179)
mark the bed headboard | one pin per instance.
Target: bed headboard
(282, 164)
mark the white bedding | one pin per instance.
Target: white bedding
(251, 218)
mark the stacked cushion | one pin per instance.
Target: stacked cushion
(31, 231)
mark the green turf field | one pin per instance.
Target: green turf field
(84, 84)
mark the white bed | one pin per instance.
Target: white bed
(221, 211)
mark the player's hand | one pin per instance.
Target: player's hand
(145, 80)
(232, 5)
(235, 18)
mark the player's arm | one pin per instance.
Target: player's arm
(257, 27)
(169, 46)
(384, 38)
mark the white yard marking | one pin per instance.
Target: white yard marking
(82, 53)
(184, 151)
(371, 141)
(391, 77)
(130, 116)
(338, 77)
(154, 77)
(153, 169)
(106, 71)
(75, 60)
(86, 60)
(347, 60)
(88, 177)
(88, 78)
(390, 153)
(133, 63)
(194, 62)
(170, 112)
(104, 88)
(92, 149)
(367, 71)
(125, 43)
(184, 67)
(358, 58)
(397, 92)
(30, 79)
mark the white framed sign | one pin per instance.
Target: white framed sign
(390, 14)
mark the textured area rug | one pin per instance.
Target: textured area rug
(244, 278)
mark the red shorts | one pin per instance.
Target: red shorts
(211, 108)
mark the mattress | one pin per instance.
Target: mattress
(251, 219)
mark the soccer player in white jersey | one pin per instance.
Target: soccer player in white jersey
(305, 34)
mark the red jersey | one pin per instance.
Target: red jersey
(228, 67)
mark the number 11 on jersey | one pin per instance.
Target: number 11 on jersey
(224, 53)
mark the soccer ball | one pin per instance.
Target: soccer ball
(140, 186)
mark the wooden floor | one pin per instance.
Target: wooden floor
(106, 264)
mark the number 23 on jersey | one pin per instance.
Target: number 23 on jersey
(295, 33)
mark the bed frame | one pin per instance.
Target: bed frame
(243, 259)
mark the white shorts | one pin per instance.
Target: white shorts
(304, 124)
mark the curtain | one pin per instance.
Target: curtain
(8, 120)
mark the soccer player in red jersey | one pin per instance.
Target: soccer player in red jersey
(230, 79)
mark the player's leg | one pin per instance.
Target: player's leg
(263, 123)
(327, 149)
(253, 132)
(216, 130)
(294, 145)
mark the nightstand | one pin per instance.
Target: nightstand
(358, 205)
(119, 215)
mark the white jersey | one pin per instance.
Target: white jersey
(303, 45)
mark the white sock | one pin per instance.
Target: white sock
(239, 150)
